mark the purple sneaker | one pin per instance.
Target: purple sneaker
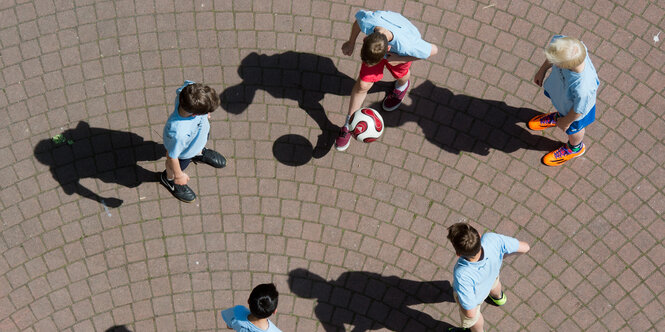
(394, 99)
(343, 140)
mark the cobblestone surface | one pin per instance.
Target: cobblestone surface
(351, 239)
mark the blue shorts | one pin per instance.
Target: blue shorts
(184, 163)
(581, 123)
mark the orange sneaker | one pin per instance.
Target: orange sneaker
(543, 121)
(562, 155)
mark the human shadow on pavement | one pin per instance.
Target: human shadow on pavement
(302, 77)
(458, 123)
(108, 155)
(118, 328)
(370, 301)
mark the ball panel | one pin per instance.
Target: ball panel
(360, 128)
(366, 125)
(378, 123)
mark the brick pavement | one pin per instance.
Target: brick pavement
(362, 232)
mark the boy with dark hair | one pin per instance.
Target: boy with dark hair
(393, 42)
(476, 274)
(185, 136)
(262, 304)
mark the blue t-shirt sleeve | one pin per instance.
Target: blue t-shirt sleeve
(507, 244)
(364, 22)
(228, 315)
(236, 317)
(465, 292)
(418, 48)
(172, 144)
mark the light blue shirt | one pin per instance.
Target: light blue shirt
(184, 138)
(570, 90)
(473, 280)
(236, 318)
(406, 37)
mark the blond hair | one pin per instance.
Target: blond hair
(566, 52)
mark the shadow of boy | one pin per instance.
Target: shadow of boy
(302, 77)
(370, 301)
(459, 122)
(108, 155)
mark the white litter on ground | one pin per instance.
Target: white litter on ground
(108, 213)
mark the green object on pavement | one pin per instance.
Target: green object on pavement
(59, 139)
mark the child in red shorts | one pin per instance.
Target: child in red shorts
(392, 42)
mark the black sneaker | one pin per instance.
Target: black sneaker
(210, 157)
(181, 192)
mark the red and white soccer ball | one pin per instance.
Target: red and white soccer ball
(366, 125)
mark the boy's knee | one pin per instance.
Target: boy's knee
(364, 86)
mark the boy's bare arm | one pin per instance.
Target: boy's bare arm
(539, 78)
(523, 247)
(348, 46)
(564, 122)
(394, 58)
(173, 168)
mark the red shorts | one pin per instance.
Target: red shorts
(375, 73)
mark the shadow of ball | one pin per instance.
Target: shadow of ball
(292, 150)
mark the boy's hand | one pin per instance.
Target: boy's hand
(181, 179)
(347, 47)
(564, 125)
(540, 77)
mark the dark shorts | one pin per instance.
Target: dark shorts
(184, 163)
(581, 123)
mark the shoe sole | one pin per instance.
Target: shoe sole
(539, 127)
(342, 148)
(161, 180)
(390, 109)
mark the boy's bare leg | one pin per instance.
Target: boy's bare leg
(358, 95)
(402, 80)
(576, 138)
(495, 292)
(479, 326)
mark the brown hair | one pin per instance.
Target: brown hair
(199, 99)
(465, 239)
(374, 48)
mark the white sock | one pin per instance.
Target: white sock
(346, 123)
(401, 87)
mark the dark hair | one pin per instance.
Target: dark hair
(465, 239)
(374, 48)
(263, 300)
(199, 99)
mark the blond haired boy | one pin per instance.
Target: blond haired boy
(571, 87)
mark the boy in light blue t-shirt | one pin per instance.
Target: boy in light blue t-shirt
(571, 87)
(185, 136)
(392, 42)
(262, 304)
(476, 274)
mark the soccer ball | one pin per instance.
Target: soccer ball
(366, 125)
